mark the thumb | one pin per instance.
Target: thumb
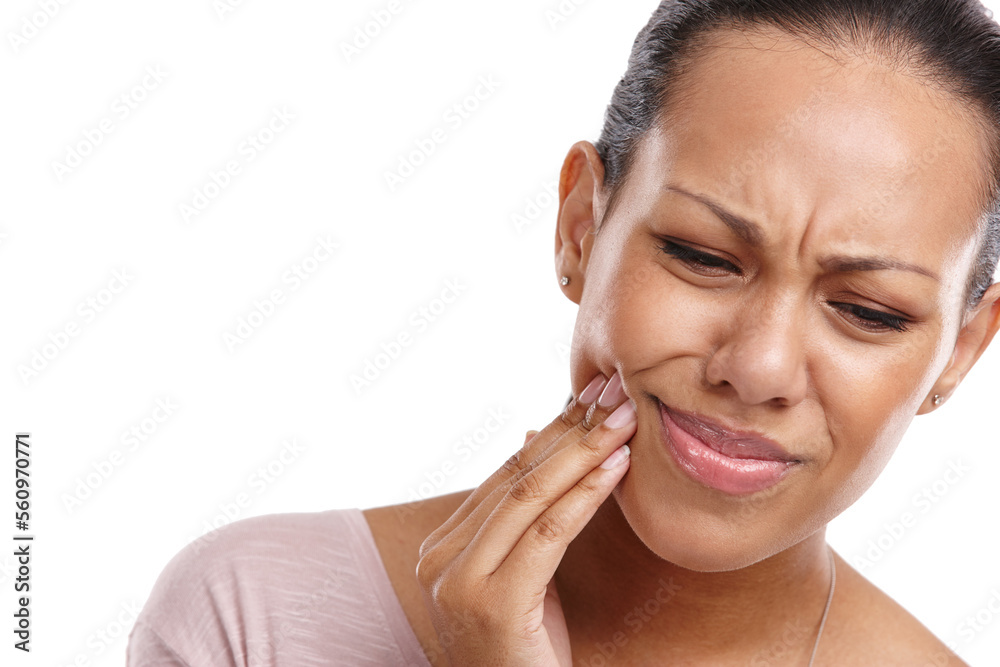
(529, 435)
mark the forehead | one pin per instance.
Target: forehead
(786, 131)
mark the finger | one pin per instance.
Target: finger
(496, 486)
(572, 414)
(526, 509)
(529, 435)
(536, 557)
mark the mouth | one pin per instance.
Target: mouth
(734, 462)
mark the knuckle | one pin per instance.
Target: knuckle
(427, 545)
(590, 444)
(517, 463)
(452, 592)
(589, 488)
(568, 419)
(590, 420)
(527, 489)
(426, 572)
(447, 591)
(548, 527)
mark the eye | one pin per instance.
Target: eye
(872, 320)
(699, 262)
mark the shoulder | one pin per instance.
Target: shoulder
(268, 553)
(866, 627)
(266, 590)
(398, 532)
(404, 524)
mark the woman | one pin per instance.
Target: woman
(782, 247)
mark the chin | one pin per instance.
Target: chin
(702, 529)
(701, 548)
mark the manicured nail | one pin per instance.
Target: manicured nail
(613, 392)
(593, 389)
(623, 416)
(618, 457)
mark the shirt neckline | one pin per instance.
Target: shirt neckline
(399, 624)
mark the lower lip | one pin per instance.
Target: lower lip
(715, 470)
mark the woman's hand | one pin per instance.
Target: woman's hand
(489, 568)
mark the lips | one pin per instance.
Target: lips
(734, 444)
(735, 462)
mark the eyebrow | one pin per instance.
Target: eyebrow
(752, 234)
(747, 230)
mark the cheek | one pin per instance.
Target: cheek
(638, 316)
(635, 315)
(866, 415)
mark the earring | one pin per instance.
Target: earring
(564, 281)
(938, 399)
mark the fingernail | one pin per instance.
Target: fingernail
(613, 392)
(618, 457)
(593, 389)
(623, 416)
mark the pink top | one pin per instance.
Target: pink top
(303, 589)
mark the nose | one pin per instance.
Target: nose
(761, 355)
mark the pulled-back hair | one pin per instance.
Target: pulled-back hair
(953, 44)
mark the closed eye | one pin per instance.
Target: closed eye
(699, 262)
(872, 320)
(707, 264)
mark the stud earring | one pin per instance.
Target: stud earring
(564, 281)
(938, 399)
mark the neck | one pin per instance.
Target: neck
(621, 598)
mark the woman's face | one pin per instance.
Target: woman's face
(817, 305)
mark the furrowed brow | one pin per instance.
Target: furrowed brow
(752, 234)
(749, 231)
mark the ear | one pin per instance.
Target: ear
(978, 330)
(581, 202)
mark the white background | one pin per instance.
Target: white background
(501, 345)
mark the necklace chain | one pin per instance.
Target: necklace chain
(829, 599)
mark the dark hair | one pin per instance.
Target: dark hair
(952, 43)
